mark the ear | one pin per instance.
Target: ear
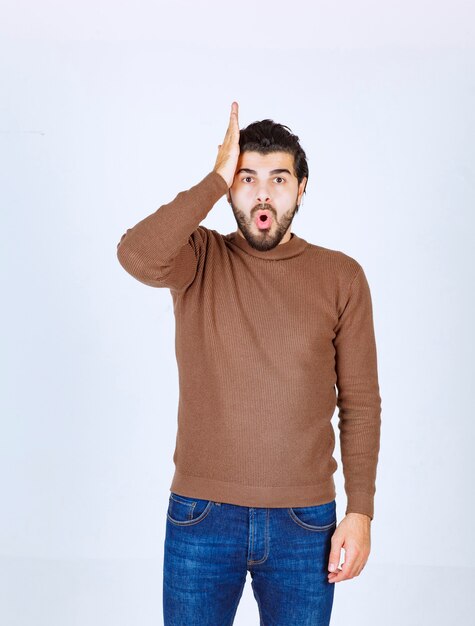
(302, 185)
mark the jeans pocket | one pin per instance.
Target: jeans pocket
(319, 518)
(186, 511)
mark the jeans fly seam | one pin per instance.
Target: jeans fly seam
(266, 543)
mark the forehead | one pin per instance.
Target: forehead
(263, 163)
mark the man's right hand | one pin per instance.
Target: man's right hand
(228, 154)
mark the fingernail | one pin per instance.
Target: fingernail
(332, 567)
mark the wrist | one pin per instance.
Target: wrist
(359, 515)
(222, 176)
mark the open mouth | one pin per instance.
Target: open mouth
(263, 220)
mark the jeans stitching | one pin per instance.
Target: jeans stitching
(323, 528)
(200, 518)
(266, 543)
(251, 535)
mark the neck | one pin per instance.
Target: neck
(292, 247)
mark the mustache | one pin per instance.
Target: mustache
(263, 207)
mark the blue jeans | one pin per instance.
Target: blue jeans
(210, 546)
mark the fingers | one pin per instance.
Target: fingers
(335, 553)
(233, 126)
(234, 116)
(340, 573)
(234, 112)
(229, 149)
(351, 567)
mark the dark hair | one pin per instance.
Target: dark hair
(268, 136)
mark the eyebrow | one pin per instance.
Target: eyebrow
(277, 171)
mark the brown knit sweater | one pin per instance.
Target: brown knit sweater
(264, 340)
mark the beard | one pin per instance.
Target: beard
(267, 238)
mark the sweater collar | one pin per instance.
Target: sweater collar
(290, 248)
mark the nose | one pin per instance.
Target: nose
(263, 196)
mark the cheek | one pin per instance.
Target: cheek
(243, 198)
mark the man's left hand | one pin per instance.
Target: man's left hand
(353, 534)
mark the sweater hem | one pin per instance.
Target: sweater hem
(251, 495)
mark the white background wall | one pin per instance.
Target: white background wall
(107, 111)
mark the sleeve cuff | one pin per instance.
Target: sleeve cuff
(360, 503)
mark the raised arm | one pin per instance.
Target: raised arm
(163, 249)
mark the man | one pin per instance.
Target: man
(268, 326)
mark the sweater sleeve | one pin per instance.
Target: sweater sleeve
(163, 249)
(358, 398)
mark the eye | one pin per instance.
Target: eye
(276, 178)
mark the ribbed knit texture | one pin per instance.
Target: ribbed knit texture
(267, 345)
